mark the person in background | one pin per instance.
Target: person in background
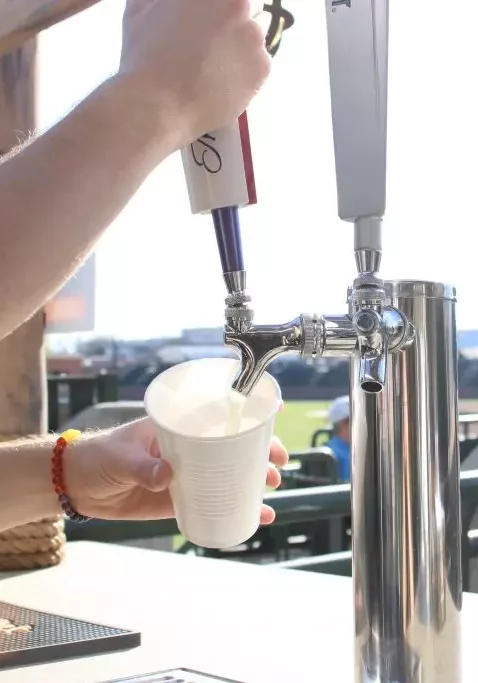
(339, 416)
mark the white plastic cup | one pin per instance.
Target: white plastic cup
(218, 479)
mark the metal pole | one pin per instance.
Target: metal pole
(406, 501)
(22, 370)
(22, 361)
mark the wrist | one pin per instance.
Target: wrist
(152, 128)
(59, 476)
(26, 489)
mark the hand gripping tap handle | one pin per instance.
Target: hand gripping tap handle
(358, 66)
(220, 178)
(220, 173)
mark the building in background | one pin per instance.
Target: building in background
(72, 309)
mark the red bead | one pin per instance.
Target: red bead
(57, 470)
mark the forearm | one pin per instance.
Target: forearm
(62, 191)
(26, 490)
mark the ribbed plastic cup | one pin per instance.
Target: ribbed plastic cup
(219, 477)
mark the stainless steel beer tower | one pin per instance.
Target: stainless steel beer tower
(406, 519)
(401, 339)
(406, 502)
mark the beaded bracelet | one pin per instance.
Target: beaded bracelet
(57, 476)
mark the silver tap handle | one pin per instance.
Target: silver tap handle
(358, 65)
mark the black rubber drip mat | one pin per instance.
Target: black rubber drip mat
(54, 637)
(174, 676)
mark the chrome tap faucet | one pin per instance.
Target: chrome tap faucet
(358, 67)
(367, 307)
(308, 335)
(372, 331)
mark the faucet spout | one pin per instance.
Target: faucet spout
(373, 349)
(380, 329)
(258, 345)
(309, 336)
(373, 367)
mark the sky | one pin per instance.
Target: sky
(158, 269)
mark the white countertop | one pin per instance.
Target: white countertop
(255, 624)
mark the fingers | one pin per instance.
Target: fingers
(267, 515)
(273, 477)
(144, 505)
(151, 506)
(278, 453)
(152, 474)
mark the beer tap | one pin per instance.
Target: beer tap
(220, 179)
(358, 65)
(358, 60)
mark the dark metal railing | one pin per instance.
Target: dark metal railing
(340, 564)
(292, 507)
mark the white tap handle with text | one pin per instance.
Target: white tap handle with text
(219, 169)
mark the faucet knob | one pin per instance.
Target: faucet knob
(312, 335)
(367, 321)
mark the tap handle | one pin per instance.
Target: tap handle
(358, 67)
(220, 178)
(219, 170)
(218, 165)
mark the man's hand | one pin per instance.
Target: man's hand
(119, 474)
(114, 474)
(201, 61)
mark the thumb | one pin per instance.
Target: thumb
(152, 474)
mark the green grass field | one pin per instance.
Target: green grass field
(296, 424)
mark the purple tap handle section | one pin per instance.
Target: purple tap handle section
(228, 236)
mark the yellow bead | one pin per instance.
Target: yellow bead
(70, 435)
